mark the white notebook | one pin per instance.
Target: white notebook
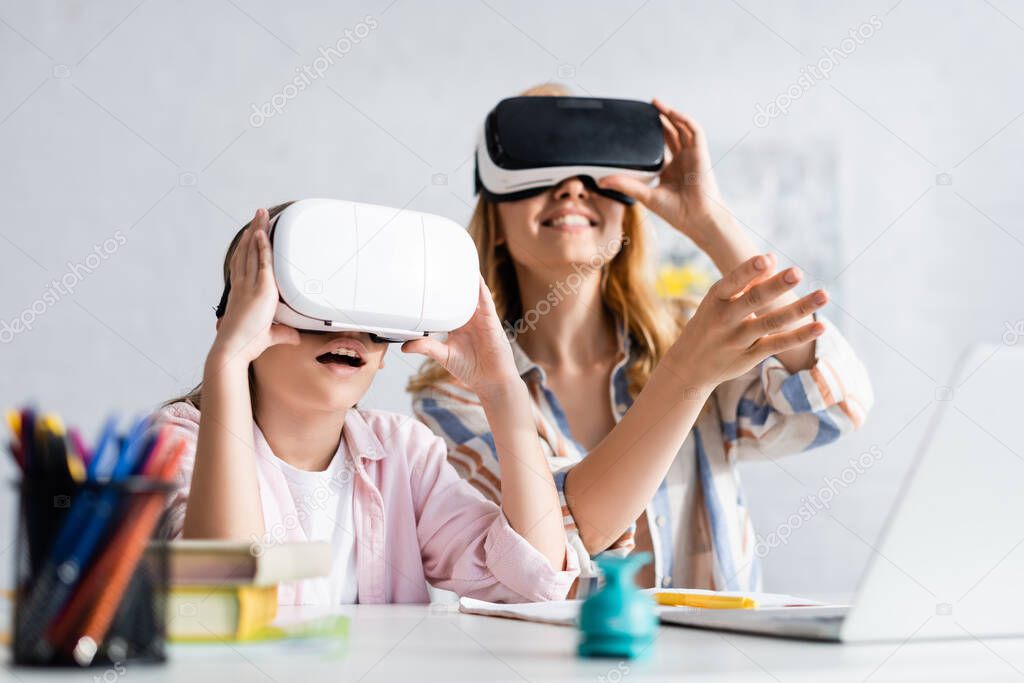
(566, 612)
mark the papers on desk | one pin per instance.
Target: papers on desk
(566, 612)
(561, 612)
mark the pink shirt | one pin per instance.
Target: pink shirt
(416, 520)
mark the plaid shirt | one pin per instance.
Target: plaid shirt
(700, 527)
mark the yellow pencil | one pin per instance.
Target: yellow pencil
(705, 601)
(75, 465)
(16, 446)
(53, 423)
(14, 422)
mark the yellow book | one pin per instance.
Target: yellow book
(212, 613)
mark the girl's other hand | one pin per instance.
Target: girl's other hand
(247, 328)
(737, 324)
(478, 353)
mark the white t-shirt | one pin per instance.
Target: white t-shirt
(324, 501)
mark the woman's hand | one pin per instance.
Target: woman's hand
(478, 353)
(247, 328)
(739, 323)
(687, 195)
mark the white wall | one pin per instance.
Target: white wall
(134, 120)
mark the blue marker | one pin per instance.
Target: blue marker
(93, 472)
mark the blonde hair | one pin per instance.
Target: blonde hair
(195, 396)
(627, 289)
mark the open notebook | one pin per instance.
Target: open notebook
(566, 612)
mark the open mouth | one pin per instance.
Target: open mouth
(343, 356)
(571, 220)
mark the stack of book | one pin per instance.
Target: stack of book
(221, 590)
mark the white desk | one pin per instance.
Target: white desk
(420, 644)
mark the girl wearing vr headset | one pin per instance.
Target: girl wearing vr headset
(645, 410)
(282, 453)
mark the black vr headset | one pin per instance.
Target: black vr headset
(531, 144)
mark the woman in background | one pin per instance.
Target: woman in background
(645, 408)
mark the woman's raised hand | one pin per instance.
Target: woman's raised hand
(478, 353)
(247, 328)
(738, 323)
(687, 195)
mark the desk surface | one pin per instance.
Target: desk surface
(422, 644)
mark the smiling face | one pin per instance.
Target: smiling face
(329, 372)
(565, 226)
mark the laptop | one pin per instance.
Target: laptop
(950, 562)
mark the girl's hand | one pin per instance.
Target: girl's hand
(478, 353)
(687, 195)
(737, 324)
(247, 328)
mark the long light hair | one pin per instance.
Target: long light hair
(627, 289)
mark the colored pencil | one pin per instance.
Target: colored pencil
(110, 576)
(17, 450)
(78, 541)
(83, 568)
(84, 455)
(106, 440)
(28, 426)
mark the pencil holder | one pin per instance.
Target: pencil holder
(90, 591)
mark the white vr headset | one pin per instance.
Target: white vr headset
(393, 273)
